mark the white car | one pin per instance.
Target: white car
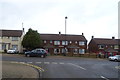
(114, 58)
(12, 51)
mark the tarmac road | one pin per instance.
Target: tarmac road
(70, 67)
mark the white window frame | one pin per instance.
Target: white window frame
(56, 42)
(51, 41)
(75, 51)
(70, 42)
(64, 42)
(76, 42)
(81, 43)
(55, 50)
(15, 38)
(64, 50)
(100, 46)
(81, 51)
(45, 41)
(15, 47)
(116, 47)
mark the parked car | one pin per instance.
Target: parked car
(12, 51)
(114, 58)
(36, 52)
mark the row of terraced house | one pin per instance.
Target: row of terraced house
(61, 43)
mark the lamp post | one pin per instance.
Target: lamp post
(65, 34)
(65, 24)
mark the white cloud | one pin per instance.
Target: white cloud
(92, 17)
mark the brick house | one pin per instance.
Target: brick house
(10, 39)
(61, 43)
(103, 46)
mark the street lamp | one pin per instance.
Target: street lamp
(65, 24)
(65, 35)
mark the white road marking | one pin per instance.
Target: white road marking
(117, 67)
(29, 62)
(46, 62)
(54, 63)
(38, 62)
(104, 77)
(22, 62)
(14, 62)
(77, 66)
(61, 63)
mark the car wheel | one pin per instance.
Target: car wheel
(116, 60)
(27, 55)
(42, 56)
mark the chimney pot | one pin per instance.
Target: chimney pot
(92, 37)
(59, 33)
(113, 37)
(82, 33)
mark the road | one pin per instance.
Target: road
(70, 67)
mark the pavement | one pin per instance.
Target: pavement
(18, 70)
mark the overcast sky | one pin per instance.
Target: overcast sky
(98, 18)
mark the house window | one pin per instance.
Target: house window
(116, 47)
(76, 42)
(81, 51)
(56, 51)
(56, 42)
(101, 46)
(75, 51)
(3, 46)
(64, 50)
(14, 38)
(64, 42)
(45, 41)
(51, 41)
(81, 43)
(70, 42)
(15, 47)
(5, 37)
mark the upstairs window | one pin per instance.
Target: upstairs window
(101, 46)
(56, 42)
(76, 42)
(70, 42)
(116, 47)
(81, 43)
(51, 41)
(14, 38)
(45, 41)
(64, 42)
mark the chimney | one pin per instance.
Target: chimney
(23, 29)
(92, 37)
(113, 37)
(59, 33)
(82, 34)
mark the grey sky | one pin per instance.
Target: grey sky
(91, 17)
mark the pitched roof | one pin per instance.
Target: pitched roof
(105, 41)
(62, 37)
(11, 33)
